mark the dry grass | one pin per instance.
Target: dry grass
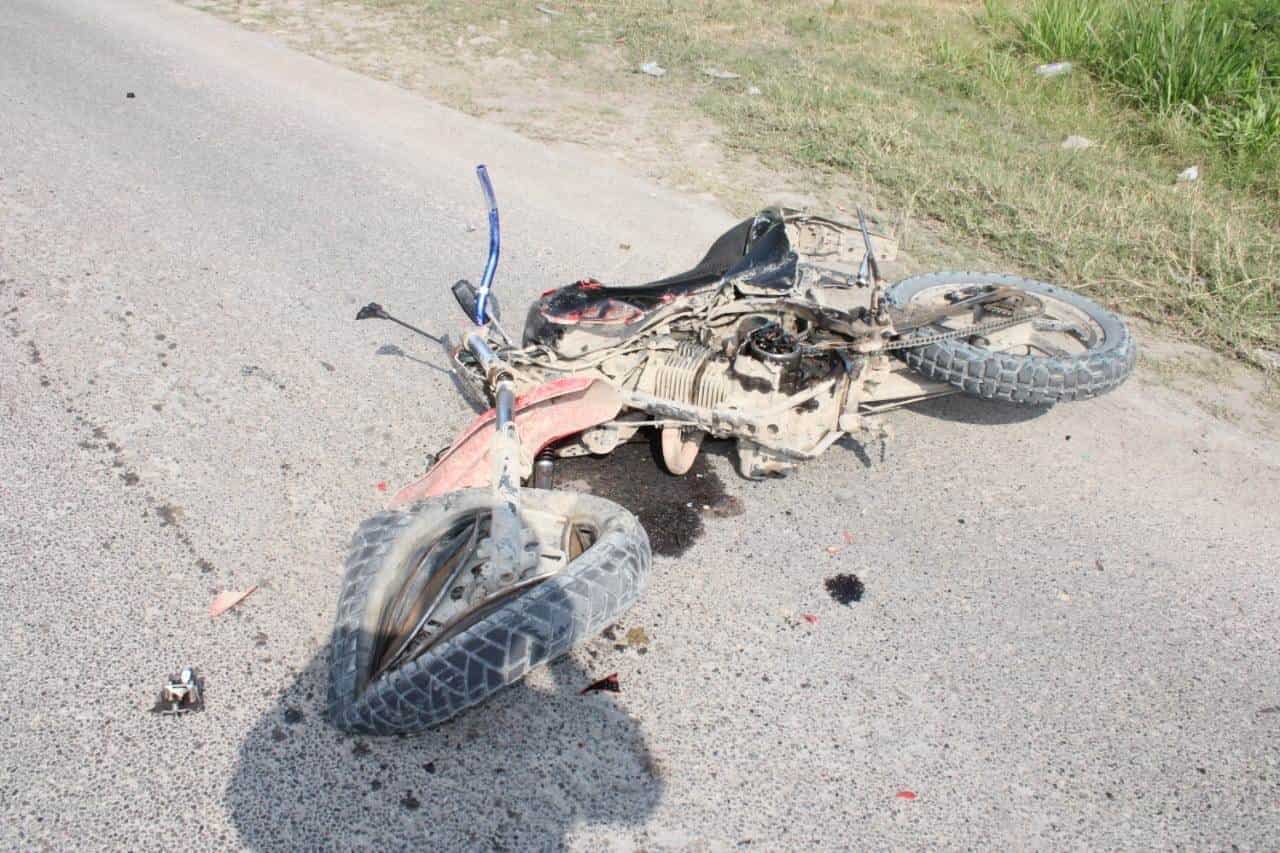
(913, 106)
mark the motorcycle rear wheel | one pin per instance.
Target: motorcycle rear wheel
(414, 642)
(1077, 350)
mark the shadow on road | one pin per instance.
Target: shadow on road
(517, 773)
(970, 410)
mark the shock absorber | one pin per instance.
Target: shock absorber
(543, 469)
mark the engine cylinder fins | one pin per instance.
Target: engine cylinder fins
(691, 374)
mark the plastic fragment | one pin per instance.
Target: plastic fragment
(1054, 69)
(906, 795)
(228, 599)
(1189, 174)
(608, 684)
(720, 74)
(382, 485)
(810, 618)
(653, 69)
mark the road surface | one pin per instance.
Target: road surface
(1069, 636)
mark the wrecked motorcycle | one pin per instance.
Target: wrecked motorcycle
(783, 338)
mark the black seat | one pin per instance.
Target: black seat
(756, 251)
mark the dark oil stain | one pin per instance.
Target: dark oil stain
(327, 366)
(670, 508)
(845, 589)
(430, 767)
(292, 716)
(410, 802)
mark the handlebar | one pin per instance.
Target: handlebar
(495, 247)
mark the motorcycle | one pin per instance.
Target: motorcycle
(783, 339)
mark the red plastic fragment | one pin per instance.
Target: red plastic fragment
(382, 485)
(608, 684)
(906, 795)
(810, 618)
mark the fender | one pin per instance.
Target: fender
(545, 414)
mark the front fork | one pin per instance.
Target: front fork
(506, 535)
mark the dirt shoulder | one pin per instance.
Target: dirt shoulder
(571, 77)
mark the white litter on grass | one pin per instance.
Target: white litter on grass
(754, 90)
(720, 74)
(653, 69)
(1077, 143)
(1189, 174)
(1054, 69)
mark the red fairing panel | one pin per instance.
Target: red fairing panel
(546, 414)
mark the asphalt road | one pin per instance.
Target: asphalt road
(1069, 636)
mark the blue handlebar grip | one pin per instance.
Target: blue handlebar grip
(495, 247)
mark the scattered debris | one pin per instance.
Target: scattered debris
(181, 694)
(810, 618)
(410, 802)
(481, 41)
(546, 10)
(845, 589)
(754, 90)
(1054, 69)
(292, 716)
(720, 74)
(1097, 564)
(636, 637)
(1077, 143)
(626, 247)
(608, 684)
(906, 795)
(382, 485)
(653, 69)
(430, 767)
(847, 537)
(1270, 709)
(1189, 174)
(228, 599)
(129, 95)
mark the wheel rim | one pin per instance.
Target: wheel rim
(448, 590)
(1063, 330)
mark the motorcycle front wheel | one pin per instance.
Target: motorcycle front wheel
(424, 631)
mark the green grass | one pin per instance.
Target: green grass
(931, 109)
(1213, 65)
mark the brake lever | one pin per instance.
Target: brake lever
(374, 311)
